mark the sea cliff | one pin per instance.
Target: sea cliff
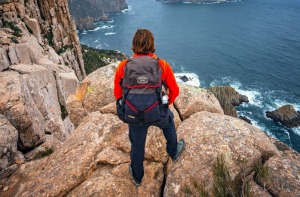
(41, 64)
(87, 12)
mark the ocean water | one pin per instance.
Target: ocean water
(252, 45)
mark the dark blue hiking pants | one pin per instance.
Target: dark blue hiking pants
(137, 137)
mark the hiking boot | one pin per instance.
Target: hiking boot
(137, 183)
(180, 148)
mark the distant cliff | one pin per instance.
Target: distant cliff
(86, 12)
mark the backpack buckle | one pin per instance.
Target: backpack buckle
(141, 116)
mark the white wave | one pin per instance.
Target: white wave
(110, 21)
(296, 130)
(96, 29)
(188, 79)
(279, 103)
(106, 44)
(254, 96)
(127, 10)
(99, 46)
(107, 26)
(220, 1)
(110, 33)
(261, 127)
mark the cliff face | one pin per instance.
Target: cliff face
(40, 66)
(49, 22)
(86, 12)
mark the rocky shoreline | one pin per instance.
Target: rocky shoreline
(87, 12)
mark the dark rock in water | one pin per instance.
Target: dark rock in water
(86, 12)
(184, 78)
(286, 115)
(228, 98)
(245, 119)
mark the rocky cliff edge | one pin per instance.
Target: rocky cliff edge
(94, 160)
(40, 66)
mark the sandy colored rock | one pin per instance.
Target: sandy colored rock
(88, 164)
(13, 55)
(192, 100)
(284, 178)
(8, 143)
(100, 90)
(34, 26)
(257, 190)
(51, 144)
(18, 106)
(75, 106)
(22, 52)
(110, 108)
(4, 63)
(66, 85)
(44, 91)
(208, 135)
(93, 93)
(117, 182)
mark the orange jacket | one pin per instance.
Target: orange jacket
(167, 76)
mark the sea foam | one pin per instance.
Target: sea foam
(110, 33)
(188, 79)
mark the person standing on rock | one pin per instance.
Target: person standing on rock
(141, 102)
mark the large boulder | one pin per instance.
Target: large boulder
(209, 135)
(94, 92)
(8, 143)
(94, 160)
(286, 115)
(192, 100)
(284, 175)
(46, 89)
(228, 98)
(19, 107)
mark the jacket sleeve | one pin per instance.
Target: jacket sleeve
(170, 81)
(117, 81)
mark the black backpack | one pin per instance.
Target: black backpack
(142, 92)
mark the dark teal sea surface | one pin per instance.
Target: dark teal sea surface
(252, 45)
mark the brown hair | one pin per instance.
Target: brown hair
(143, 41)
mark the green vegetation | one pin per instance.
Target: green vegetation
(44, 153)
(14, 40)
(64, 112)
(262, 172)
(64, 49)
(49, 37)
(223, 185)
(94, 58)
(16, 30)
